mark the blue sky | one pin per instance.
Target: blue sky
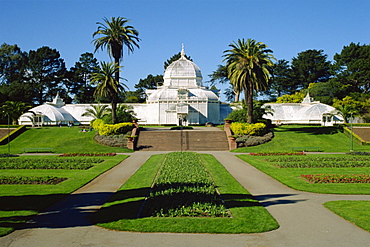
(206, 27)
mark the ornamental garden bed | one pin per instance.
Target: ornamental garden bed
(31, 180)
(176, 202)
(29, 184)
(290, 170)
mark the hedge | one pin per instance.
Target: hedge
(257, 129)
(111, 129)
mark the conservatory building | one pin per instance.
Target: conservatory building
(306, 112)
(182, 100)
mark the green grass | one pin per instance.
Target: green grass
(330, 139)
(291, 176)
(120, 212)
(357, 212)
(18, 202)
(62, 140)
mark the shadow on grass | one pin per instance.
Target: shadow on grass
(312, 130)
(80, 209)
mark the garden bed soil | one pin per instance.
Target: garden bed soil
(363, 132)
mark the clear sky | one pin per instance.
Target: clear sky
(206, 27)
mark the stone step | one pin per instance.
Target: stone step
(187, 141)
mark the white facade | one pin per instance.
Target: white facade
(181, 100)
(307, 112)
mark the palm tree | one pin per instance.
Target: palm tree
(115, 34)
(97, 111)
(13, 109)
(107, 85)
(248, 64)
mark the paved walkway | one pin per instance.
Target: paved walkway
(302, 218)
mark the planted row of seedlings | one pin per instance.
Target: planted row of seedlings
(49, 163)
(49, 180)
(337, 178)
(319, 162)
(183, 188)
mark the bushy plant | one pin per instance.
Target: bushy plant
(257, 129)
(111, 141)
(249, 140)
(111, 129)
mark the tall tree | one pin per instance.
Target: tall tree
(248, 64)
(78, 81)
(281, 82)
(107, 85)
(150, 82)
(115, 34)
(310, 66)
(353, 67)
(45, 70)
(12, 71)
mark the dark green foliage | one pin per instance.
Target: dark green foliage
(150, 82)
(248, 140)
(183, 187)
(111, 141)
(48, 163)
(310, 66)
(30, 180)
(315, 162)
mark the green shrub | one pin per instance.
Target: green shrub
(248, 140)
(111, 141)
(111, 129)
(257, 129)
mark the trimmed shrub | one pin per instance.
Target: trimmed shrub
(111, 129)
(257, 129)
(111, 141)
(248, 140)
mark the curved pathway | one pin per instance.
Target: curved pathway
(303, 220)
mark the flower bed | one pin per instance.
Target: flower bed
(183, 188)
(337, 178)
(50, 163)
(31, 180)
(320, 162)
(86, 154)
(277, 153)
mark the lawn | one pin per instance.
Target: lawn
(292, 176)
(329, 139)
(121, 211)
(357, 212)
(19, 201)
(61, 139)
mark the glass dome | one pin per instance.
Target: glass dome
(182, 73)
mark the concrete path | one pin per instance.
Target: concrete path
(302, 218)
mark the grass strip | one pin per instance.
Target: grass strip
(121, 210)
(61, 140)
(18, 202)
(286, 137)
(292, 176)
(357, 212)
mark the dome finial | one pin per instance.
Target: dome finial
(183, 51)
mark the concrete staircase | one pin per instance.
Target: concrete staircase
(187, 140)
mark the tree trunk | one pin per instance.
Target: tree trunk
(114, 110)
(249, 102)
(114, 98)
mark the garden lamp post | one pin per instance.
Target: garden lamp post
(8, 134)
(351, 132)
